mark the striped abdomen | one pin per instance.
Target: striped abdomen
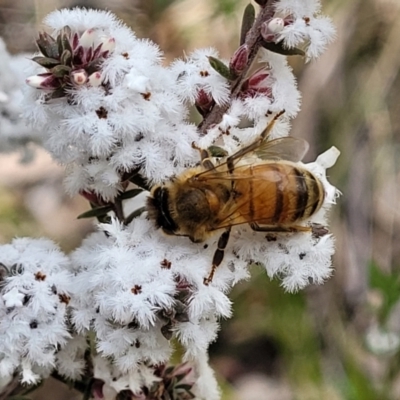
(276, 193)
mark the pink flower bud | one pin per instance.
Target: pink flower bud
(203, 99)
(108, 45)
(204, 102)
(79, 77)
(270, 28)
(276, 25)
(239, 59)
(87, 38)
(257, 80)
(42, 81)
(95, 79)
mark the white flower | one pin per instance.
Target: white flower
(304, 26)
(13, 298)
(195, 73)
(33, 302)
(127, 117)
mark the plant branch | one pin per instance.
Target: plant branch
(253, 41)
(118, 209)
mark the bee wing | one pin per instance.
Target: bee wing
(285, 148)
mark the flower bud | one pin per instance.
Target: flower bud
(87, 38)
(276, 25)
(203, 99)
(270, 28)
(239, 60)
(204, 102)
(108, 44)
(79, 77)
(42, 81)
(95, 79)
(256, 80)
(265, 33)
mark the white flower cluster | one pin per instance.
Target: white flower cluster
(35, 289)
(14, 134)
(123, 113)
(130, 118)
(300, 24)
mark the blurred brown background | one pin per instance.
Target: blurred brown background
(336, 341)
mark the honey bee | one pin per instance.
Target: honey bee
(260, 185)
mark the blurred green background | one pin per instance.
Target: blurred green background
(336, 341)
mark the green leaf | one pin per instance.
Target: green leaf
(280, 49)
(66, 57)
(46, 62)
(183, 386)
(96, 212)
(221, 68)
(135, 177)
(60, 71)
(134, 215)
(249, 16)
(129, 194)
(47, 45)
(63, 42)
(56, 94)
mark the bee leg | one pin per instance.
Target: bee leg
(204, 156)
(218, 255)
(278, 228)
(317, 230)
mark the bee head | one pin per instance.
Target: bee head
(159, 211)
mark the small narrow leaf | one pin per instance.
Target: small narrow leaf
(47, 45)
(66, 57)
(138, 180)
(46, 62)
(183, 386)
(248, 19)
(221, 68)
(280, 49)
(63, 42)
(129, 194)
(56, 94)
(96, 212)
(134, 215)
(60, 71)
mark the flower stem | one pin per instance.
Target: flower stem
(253, 41)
